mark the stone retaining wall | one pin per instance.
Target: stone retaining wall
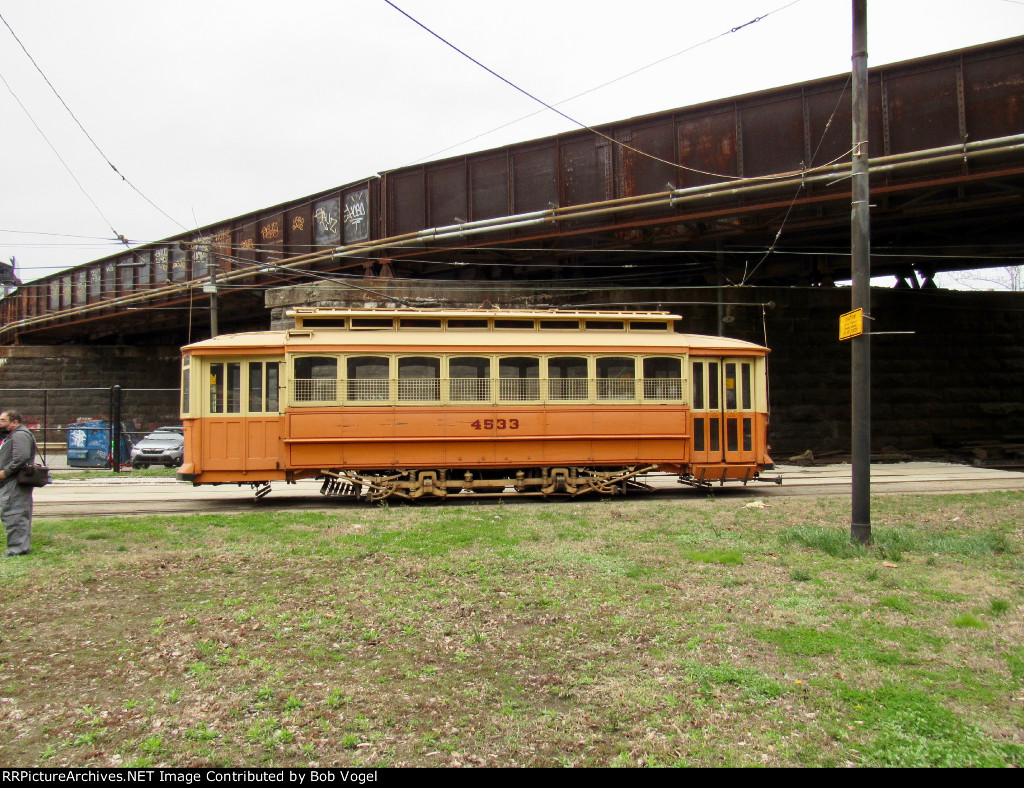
(77, 379)
(957, 379)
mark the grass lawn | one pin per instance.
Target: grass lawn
(631, 632)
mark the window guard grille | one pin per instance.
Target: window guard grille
(315, 390)
(483, 389)
(519, 389)
(419, 389)
(568, 388)
(469, 389)
(663, 388)
(367, 389)
(616, 388)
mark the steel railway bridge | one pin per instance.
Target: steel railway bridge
(752, 190)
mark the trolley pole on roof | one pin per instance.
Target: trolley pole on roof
(860, 247)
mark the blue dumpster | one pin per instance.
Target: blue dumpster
(89, 444)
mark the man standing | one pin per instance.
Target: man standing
(17, 450)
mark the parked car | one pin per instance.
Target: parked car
(163, 446)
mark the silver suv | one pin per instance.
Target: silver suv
(164, 446)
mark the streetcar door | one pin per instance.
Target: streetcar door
(722, 409)
(738, 410)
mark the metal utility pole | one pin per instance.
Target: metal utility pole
(860, 246)
(211, 290)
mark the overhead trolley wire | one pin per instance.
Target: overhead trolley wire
(587, 127)
(603, 85)
(799, 188)
(60, 158)
(86, 133)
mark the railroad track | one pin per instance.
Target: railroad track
(119, 496)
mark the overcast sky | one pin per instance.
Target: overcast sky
(212, 109)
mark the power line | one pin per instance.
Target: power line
(799, 189)
(603, 85)
(1013, 255)
(61, 159)
(582, 125)
(86, 133)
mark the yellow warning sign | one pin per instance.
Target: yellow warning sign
(851, 324)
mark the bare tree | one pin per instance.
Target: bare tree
(1009, 277)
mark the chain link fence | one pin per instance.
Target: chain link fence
(79, 428)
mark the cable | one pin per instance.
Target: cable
(86, 133)
(55, 235)
(1014, 256)
(582, 125)
(603, 85)
(61, 159)
(799, 188)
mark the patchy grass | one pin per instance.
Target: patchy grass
(94, 474)
(599, 633)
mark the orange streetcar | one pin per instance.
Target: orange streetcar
(423, 402)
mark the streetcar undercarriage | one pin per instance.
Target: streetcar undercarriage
(561, 482)
(443, 483)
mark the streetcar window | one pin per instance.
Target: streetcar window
(323, 322)
(567, 378)
(605, 325)
(663, 378)
(185, 385)
(745, 386)
(273, 379)
(713, 392)
(469, 379)
(730, 389)
(648, 325)
(714, 430)
(263, 384)
(255, 386)
(519, 379)
(372, 322)
(315, 379)
(419, 322)
(506, 323)
(615, 378)
(560, 325)
(234, 388)
(369, 378)
(698, 385)
(731, 435)
(216, 388)
(748, 435)
(698, 434)
(466, 323)
(419, 379)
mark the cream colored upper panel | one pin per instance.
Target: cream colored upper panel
(302, 340)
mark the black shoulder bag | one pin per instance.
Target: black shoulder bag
(34, 474)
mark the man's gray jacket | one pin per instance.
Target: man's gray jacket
(17, 450)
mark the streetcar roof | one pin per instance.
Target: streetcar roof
(408, 329)
(496, 340)
(301, 312)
